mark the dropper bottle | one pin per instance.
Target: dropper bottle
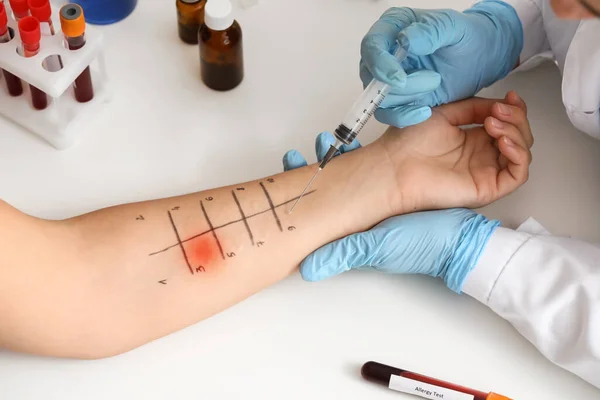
(190, 15)
(13, 84)
(221, 52)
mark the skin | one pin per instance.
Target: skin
(87, 287)
(576, 9)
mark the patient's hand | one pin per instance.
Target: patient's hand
(464, 167)
(446, 166)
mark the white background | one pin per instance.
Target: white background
(166, 134)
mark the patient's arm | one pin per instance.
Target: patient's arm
(112, 280)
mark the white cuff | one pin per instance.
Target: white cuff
(501, 247)
(534, 34)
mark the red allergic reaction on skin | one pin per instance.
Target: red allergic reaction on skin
(203, 253)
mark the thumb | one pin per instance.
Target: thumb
(340, 256)
(293, 160)
(434, 31)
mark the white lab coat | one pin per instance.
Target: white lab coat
(548, 287)
(575, 46)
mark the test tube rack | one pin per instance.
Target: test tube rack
(64, 120)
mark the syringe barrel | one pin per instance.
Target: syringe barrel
(362, 110)
(371, 98)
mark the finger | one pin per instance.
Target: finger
(514, 99)
(403, 116)
(292, 160)
(517, 171)
(380, 41)
(434, 31)
(350, 147)
(466, 112)
(323, 143)
(514, 115)
(338, 257)
(418, 84)
(365, 75)
(497, 129)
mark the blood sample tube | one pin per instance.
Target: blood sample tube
(41, 10)
(15, 88)
(72, 23)
(20, 9)
(421, 385)
(29, 28)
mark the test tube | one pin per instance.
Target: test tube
(420, 385)
(42, 11)
(15, 88)
(29, 28)
(20, 9)
(72, 23)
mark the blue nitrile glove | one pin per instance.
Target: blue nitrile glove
(469, 50)
(293, 159)
(445, 244)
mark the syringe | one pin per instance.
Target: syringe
(362, 110)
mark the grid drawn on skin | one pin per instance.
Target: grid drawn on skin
(212, 229)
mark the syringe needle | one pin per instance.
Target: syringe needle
(305, 189)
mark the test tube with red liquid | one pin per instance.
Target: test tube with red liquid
(420, 385)
(42, 11)
(19, 8)
(29, 28)
(15, 88)
(72, 23)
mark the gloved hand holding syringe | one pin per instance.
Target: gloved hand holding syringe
(360, 113)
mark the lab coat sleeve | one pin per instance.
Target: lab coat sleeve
(535, 41)
(548, 288)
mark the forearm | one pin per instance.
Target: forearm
(133, 273)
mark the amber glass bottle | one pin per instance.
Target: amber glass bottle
(221, 53)
(190, 15)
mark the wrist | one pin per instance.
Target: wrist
(367, 184)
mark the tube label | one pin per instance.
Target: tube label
(426, 390)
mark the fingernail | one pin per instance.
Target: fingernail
(508, 142)
(517, 96)
(497, 124)
(504, 109)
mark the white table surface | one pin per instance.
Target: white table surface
(166, 134)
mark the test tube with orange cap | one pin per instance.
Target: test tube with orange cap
(42, 11)
(19, 8)
(420, 385)
(13, 84)
(29, 28)
(72, 23)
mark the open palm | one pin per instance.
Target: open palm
(452, 166)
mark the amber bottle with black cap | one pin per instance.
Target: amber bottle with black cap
(190, 15)
(221, 53)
